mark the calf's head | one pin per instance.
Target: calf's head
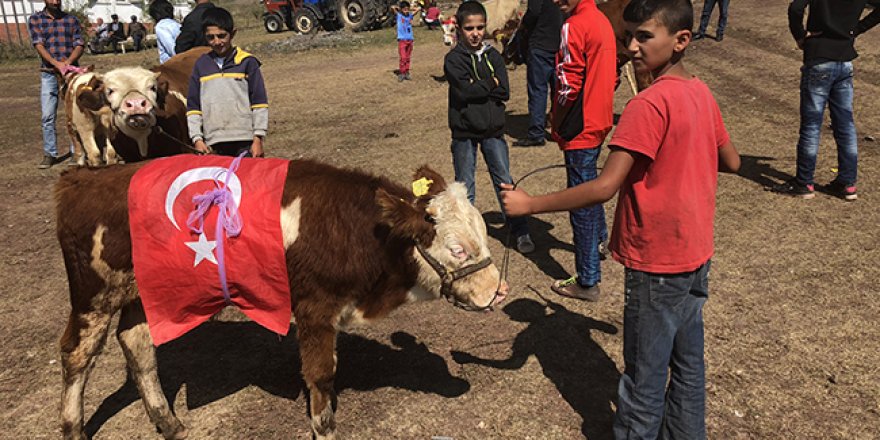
(451, 249)
(133, 94)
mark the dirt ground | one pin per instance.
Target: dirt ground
(792, 340)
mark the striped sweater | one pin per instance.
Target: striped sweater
(229, 103)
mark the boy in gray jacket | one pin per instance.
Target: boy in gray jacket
(227, 107)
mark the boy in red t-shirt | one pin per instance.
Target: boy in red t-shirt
(669, 145)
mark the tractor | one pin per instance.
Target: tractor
(306, 16)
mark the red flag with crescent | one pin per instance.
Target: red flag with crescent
(177, 270)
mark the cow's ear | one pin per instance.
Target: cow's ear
(89, 68)
(161, 92)
(438, 184)
(92, 96)
(403, 218)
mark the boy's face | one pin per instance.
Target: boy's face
(473, 30)
(566, 6)
(220, 40)
(405, 10)
(652, 46)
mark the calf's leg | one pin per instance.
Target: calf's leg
(82, 340)
(137, 345)
(317, 348)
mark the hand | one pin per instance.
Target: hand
(515, 202)
(60, 65)
(257, 147)
(462, 358)
(800, 44)
(202, 147)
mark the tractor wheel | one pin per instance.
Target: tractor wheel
(273, 23)
(305, 21)
(357, 15)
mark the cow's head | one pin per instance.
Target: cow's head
(133, 94)
(451, 243)
(449, 35)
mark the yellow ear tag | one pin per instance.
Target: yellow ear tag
(420, 187)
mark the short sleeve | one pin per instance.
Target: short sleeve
(641, 128)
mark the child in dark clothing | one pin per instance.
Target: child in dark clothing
(478, 88)
(665, 156)
(227, 107)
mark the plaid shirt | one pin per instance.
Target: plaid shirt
(58, 35)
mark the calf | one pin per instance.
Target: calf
(88, 118)
(356, 247)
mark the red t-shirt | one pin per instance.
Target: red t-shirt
(666, 207)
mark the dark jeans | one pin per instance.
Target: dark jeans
(663, 334)
(708, 6)
(137, 42)
(539, 77)
(464, 161)
(828, 83)
(233, 148)
(587, 224)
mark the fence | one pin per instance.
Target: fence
(14, 15)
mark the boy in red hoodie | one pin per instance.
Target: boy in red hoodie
(580, 117)
(665, 156)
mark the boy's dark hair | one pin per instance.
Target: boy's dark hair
(404, 5)
(468, 8)
(218, 17)
(161, 9)
(675, 15)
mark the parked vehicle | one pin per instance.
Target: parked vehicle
(306, 16)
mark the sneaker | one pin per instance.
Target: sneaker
(524, 244)
(400, 77)
(842, 190)
(698, 36)
(47, 162)
(603, 250)
(527, 142)
(794, 188)
(572, 289)
(719, 37)
(406, 76)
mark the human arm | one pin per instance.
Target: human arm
(870, 20)
(501, 91)
(194, 112)
(259, 106)
(796, 21)
(462, 83)
(728, 158)
(620, 161)
(569, 75)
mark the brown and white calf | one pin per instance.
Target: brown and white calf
(357, 246)
(89, 118)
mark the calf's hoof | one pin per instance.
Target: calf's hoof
(173, 430)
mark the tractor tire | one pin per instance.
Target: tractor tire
(305, 21)
(273, 23)
(357, 15)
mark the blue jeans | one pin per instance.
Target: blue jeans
(830, 83)
(49, 110)
(539, 74)
(587, 224)
(722, 15)
(663, 334)
(464, 160)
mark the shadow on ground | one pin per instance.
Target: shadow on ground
(218, 359)
(561, 341)
(544, 243)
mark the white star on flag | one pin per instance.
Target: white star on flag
(204, 249)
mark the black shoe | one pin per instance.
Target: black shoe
(47, 162)
(719, 37)
(698, 36)
(526, 142)
(794, 188)
(844, 191)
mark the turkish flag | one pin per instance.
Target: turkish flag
(178, 270)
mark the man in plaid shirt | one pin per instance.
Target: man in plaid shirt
(57, 36)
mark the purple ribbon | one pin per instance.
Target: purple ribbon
(228, 219)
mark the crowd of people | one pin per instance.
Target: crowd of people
(664, 158)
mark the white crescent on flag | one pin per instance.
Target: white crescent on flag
(196, 175)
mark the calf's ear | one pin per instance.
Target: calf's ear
(91, 97)
(404, 219)
(161, 92)
(438, 184)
